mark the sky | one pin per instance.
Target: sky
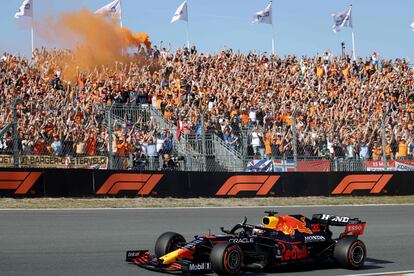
(302, 27)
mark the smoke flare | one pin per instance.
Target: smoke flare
(97, 41)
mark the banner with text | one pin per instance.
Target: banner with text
(392, 165)
(48, 161)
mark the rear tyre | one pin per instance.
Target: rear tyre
(226, 259)
(350, 253)
(168, 242)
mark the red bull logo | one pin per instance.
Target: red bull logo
(295, 253)
(288, 225)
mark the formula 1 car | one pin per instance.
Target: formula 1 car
(280, 240)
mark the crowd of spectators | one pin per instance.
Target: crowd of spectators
(338, 104)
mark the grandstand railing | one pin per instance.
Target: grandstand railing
(205, 152)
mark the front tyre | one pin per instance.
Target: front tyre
(226, 259)
(168, 242)
(350, 253)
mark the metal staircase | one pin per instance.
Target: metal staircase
(212, 155)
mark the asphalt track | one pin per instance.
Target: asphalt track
(93, 242)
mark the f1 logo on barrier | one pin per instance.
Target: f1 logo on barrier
(261, 184)
(142, 183)
(21, 182)
(373, 182)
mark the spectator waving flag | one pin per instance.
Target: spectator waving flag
(112, 10)
(264, 16)
(181, 13)
(26, 9)
(342, 20)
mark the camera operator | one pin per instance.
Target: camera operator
(168, 164)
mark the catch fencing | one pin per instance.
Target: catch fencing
(139, 137)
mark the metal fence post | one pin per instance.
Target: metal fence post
(110, 159)
(203, 142)
(294, 141)
(384, 141)
(16, 158)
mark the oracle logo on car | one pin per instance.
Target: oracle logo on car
(375, 183)
(21, 182)
(142, 183)
(242, 240)
(261, 184)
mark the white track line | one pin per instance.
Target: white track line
(205, 207)
(406, 272)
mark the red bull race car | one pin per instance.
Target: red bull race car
(279, 240)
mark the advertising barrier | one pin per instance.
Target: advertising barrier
(392, 165)
(61, 162)
(104, 183)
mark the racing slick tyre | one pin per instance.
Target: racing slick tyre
(350, 253)
(168, 242)
(226, 259)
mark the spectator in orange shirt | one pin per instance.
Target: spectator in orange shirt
(402, 148)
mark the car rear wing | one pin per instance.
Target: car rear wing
(353, 226)
(335, 220)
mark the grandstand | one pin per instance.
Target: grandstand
(220, 112)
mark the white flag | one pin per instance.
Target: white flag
(181, 13)
(112, 10)
(264, 16)
(26, 9)
(412, 26)
(342, 20)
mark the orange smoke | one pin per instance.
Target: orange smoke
(96, 40)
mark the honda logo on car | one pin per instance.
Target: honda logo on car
(296, 253)
(242, 240)
(314, 239)
(199, 266)
(335, 218)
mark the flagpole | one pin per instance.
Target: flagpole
(188, 40)
(353, 45)
(188, 35)
(120, 13)
(273, 32)
(32, 38)
(32, 29)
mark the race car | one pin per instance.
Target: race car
(279, 240)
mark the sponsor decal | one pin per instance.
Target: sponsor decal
(288, 225)
(142, 183)
(199, 266)
(261, 184)
(316, 227)
(21, 182)
(335, 218)
(132, 254)
(355, 229)
(295, 253)
(242, 240)
(375, 183)
(315, 239)
(140, 256)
